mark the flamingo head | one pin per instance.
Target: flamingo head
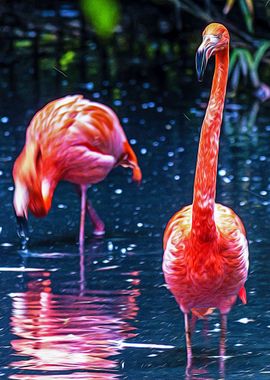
(20, 203)
(215, 38)
(37, 199)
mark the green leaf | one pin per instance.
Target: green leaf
(23, 43)
(244, 64)
(66, 59)
(235, 77)
(260, 53)
(248, 16)
(228, 6)
(233, 59)
(102, 14)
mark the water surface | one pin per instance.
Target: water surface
(106, 313)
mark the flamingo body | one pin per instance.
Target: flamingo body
(205, 275)
(70, 139)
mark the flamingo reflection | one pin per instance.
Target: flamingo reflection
(71, 333)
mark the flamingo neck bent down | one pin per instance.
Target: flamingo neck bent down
(203, 223)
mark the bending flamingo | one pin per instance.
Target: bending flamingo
(206, 252)
(69, 139)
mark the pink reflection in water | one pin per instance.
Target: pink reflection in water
(78, 333)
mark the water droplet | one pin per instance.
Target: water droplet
(89, 86)
(177, 177)
(139, 225)
(226, 179)
(245, 179)
(4, 119)
(222, 172)
(118, 191)
(117, 102)
(180, 149)
(245, 320)
(110, 246)
(133, 141)
(146, 85)
(61, 205)
(143, 150)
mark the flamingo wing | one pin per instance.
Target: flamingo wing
(81, 141)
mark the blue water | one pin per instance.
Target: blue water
(106, 313)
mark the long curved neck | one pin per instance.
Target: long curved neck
(203, 223)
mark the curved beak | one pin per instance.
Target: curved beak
(203, 54)
(201, 63)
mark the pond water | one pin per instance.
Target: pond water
(106, 313)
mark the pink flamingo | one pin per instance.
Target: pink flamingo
(69, 139)
(206, 252)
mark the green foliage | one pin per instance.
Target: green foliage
(23, 43)
(245, 63)
(102, 14)
(247, 10)
(66, 59)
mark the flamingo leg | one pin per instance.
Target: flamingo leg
(83, 208)
(188, 344)
(99, 226)
(222, 346)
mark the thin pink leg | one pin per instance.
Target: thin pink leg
(222, 346)
(99, 226)
(83, 207)
(82, 271)
(188, 345)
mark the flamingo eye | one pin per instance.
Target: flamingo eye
(214, 39)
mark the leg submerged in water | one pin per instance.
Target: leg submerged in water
(188, 344)
(82, 220)
(222, 346)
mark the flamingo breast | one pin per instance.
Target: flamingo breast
(205, 274)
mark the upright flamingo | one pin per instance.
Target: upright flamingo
(206, 252)
(69, 139)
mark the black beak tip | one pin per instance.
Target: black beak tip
(201, 63)
(22, 230)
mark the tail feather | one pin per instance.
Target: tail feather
(243, 295)
(132, 162)
(137, 174)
